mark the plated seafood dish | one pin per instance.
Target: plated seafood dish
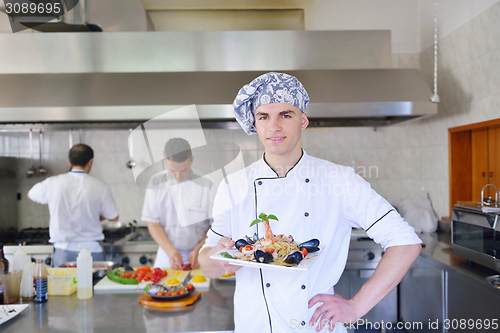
(281, 250)
(168, 293)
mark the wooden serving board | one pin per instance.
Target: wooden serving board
(146, 299)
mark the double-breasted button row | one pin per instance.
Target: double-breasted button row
(306, 214)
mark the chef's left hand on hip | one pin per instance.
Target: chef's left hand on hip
(333, 310)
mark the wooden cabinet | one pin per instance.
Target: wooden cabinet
(479, 154)
(474, 160)
(494, 155)
(485, 152)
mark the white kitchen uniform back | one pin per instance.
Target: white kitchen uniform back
(76, 201)
(316, 199)
(183, 210)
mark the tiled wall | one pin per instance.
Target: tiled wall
(414, 156)
(469, 88)
(397, 161)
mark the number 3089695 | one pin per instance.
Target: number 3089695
(28, 7)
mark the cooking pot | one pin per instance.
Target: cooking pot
(110, 225)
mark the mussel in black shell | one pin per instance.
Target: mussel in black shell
(240, 242)
(311, 245)
(262, 257)
(294, 258)
(252, 240)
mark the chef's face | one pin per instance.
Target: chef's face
(179, 170)
(279, 127)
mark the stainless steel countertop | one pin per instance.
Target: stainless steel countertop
(437, 250)
(122, 313)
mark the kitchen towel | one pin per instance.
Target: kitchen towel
(418, 212)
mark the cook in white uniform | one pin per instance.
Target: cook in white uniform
(177, 207)
(312, 198)
(77, 203)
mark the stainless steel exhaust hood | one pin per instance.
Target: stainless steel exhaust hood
(133, 77)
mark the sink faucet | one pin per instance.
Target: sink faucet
(489, 200)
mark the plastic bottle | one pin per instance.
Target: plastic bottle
(27, 281)
(20, 258)
(84, 275)
(40, 277)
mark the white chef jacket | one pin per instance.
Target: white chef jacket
(76, 201)
(316, 199)
(183, 209)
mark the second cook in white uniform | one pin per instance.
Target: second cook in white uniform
(177, 208)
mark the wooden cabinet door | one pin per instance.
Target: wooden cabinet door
(479, 159)
(494, 157)
(474, 152)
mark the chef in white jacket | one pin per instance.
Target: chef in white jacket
(312, 198)
(77, 204)
(177, 207)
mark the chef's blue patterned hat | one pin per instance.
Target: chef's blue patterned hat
(268, 88)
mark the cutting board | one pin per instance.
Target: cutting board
(149, 301)
(107, 285)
